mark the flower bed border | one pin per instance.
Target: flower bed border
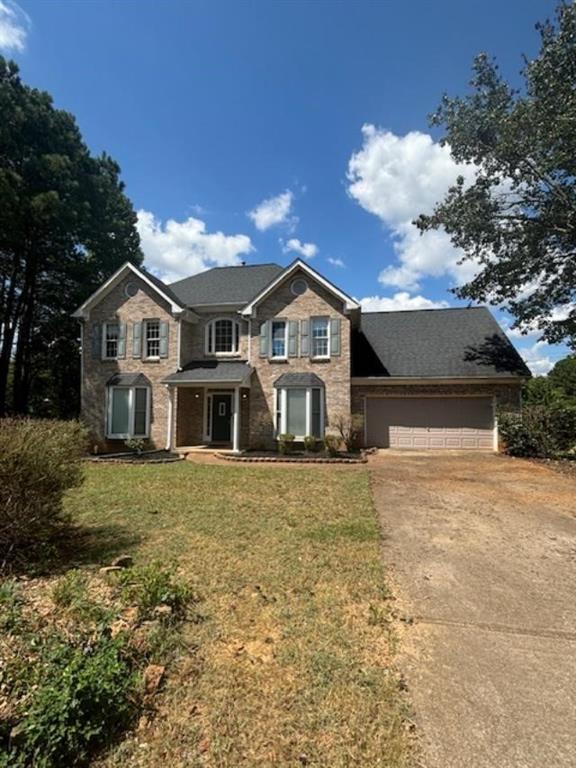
(131, 458)
(278, 459)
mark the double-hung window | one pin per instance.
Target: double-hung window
(320, 337)
(300, 411)
(152, 339)
(278, 341)
(110, 341)
(128, 412)
(222, 337)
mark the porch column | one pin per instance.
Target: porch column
(236, 421)
(170, 429)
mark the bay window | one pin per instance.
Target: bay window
(300, 411)
(128, 412)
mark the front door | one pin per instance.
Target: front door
(221, 418)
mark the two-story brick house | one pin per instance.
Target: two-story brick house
(238, 355)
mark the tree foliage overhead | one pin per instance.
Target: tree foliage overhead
(518, 217)
(65, 224)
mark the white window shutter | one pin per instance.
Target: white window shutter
(163, 338)
(335, 336)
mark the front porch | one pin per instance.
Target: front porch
(209, 407)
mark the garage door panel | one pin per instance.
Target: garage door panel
(458, 423)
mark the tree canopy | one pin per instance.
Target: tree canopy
(517, 219)
(65, 224)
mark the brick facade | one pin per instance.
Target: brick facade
(116, 305)
(335, 372)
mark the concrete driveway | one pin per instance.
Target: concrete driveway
(483, 552)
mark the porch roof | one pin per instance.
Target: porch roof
(301, 379)
(212, 372)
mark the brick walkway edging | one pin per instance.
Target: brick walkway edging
(363, 459)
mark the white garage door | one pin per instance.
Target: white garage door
(430, 422)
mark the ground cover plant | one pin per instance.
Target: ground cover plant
(288, 660)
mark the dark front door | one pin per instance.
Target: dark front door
(221, 418)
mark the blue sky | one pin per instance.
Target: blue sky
(259, 131)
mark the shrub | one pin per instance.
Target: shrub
(153, 585)
(135, 444)
(312, 444)
(332, 444)
(39, 461)
(285, 443)
(539, 430)
(349, 427)
(82, 695)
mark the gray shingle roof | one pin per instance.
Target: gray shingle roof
(217, 371)
(161, 285)
(436, 342)
(298, 380)
(225, 285)
(128, 380)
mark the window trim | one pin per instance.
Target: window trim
(328, 339)
(145, 355)
(281, 410)
(104, 339)
(210, 336)
(271, 354)
(131, 412)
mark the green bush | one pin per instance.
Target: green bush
(286, 443)
(39, 461)
(312, 444)
(81, 696)
(154, 585)
(540, 430)
(135, 444)
(332, 444)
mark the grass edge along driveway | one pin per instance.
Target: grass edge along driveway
(292, 662)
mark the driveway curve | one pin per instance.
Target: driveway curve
(483, 552)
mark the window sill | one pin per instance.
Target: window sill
(222, 354)
(320, 359)
(152, 359)
(278, 360)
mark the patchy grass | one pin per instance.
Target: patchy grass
(291, 662)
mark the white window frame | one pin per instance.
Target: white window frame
(281, 410)
(271, 354)
(145, 323)
(131, 411)
(105, 355)
(210, 337)
(312, 321)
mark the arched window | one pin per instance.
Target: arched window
(222, 337)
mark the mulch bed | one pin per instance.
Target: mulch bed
(154, 457)
(566, 467)
(295, 458)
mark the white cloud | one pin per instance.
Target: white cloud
(537, 358)
(14, 26)
(399, 301)
(179, 249)
(274, 211)
(308, 250)
(396, 178)
(336, 262)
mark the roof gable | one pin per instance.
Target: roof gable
(348, 302)
(153, 282)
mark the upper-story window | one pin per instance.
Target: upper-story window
(110, 341)
(222, 337)
(152, 338)
(320, 337)
(278, 338)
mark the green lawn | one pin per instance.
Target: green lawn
(292, 663)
